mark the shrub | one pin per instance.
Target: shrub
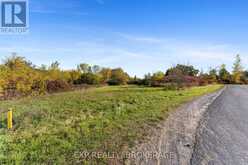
(202, 81)
(39, 86)
(182, 80)
(57, 86)
(114, 82)
(89, 78)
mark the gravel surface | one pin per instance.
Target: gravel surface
(174, 141)
(222, 138)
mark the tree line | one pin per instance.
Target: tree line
(19, 77)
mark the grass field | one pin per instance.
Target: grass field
(51, 129)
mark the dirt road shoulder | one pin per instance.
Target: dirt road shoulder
(173, 141)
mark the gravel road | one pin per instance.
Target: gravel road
(173, 141)
(222, 137)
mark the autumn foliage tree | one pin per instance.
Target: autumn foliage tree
(118, 77)
(157, 78)
(19, 76)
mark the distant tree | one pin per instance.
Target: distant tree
(201, 73)
(157, 78)
(88, 78)
(43, 67)
(84, 68)
(244, 77)
(187, 70)
(245, 73)
(90, 69)
(135, 80)
(213, 77)
(73, 76)
(105, 75)
(118, 77)
(224, 75)
(55, 65)
(96, 69)
(237, 70)
(147, 79)
(174, 71)
(54, 72)
(237, 67)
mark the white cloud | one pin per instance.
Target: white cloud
(138, 55)
(140, 39)
(196, 50)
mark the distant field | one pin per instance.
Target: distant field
(51, 129)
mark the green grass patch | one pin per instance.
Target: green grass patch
(52, 129)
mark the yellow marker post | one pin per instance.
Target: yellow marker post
(9, 117)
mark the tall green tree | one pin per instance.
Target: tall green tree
(213, 76)
(147, 79)
(237, 70)
(224, 75)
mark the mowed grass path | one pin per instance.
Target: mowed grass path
(52, 129)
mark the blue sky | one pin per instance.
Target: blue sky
(138, 35)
